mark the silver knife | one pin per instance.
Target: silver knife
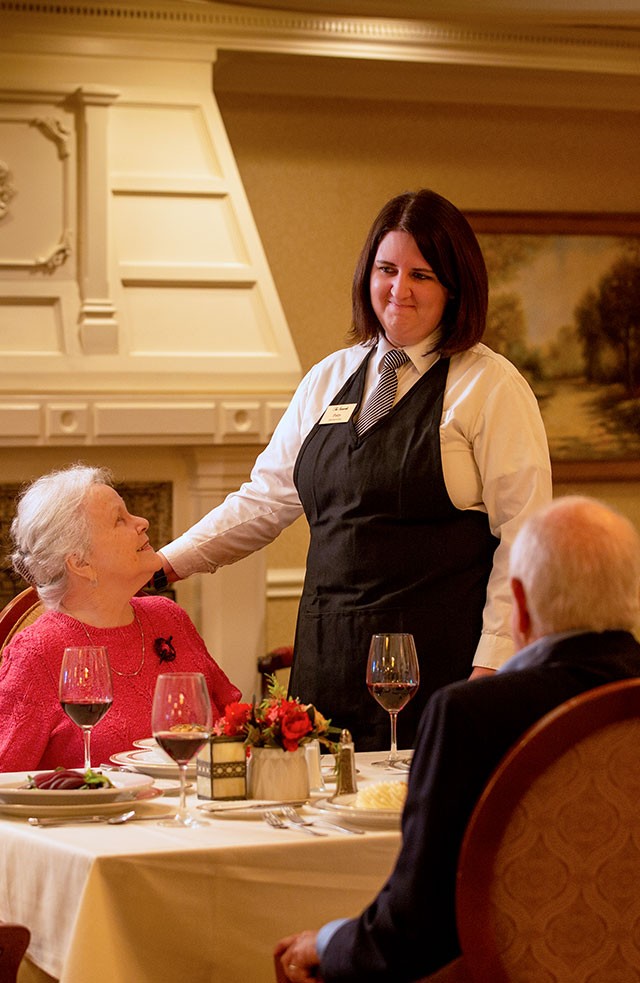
(67, 820)
(249, 805)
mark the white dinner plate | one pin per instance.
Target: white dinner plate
(126, 786)
(343, 806)
(245, 808)
(148, 801)
(146, 743)
(169, 786)
(152, 762)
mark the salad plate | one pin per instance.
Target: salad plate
(343, 806)
(125, 787)
(151, 761)
(146, 743)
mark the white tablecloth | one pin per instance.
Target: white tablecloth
(142, 903)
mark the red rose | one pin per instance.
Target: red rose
(234, 720)
(295, 724)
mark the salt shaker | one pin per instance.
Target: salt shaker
(346, 765)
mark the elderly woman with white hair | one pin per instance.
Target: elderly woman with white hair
(87, 556)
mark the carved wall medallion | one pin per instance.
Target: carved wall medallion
(7, 190)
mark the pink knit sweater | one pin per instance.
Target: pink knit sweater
(35, 733)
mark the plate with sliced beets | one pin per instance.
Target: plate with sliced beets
(70, 787)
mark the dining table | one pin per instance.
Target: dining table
(146, 903)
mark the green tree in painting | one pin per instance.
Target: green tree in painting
(589, 328)
(506, 254)
(506, 330)
(618, 309)
(506, 333)
(563, 357)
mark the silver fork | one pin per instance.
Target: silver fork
(278, 823)
(290, 813)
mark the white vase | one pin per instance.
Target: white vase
(276, 774)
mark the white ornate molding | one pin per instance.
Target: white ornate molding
(98, 323)
(170, 281)
(571, 39)
(52, 128)
(63, 419)
(58, 255)
(56, 131)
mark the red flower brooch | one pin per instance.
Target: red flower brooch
(164, 649)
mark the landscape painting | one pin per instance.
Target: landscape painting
(564, 306)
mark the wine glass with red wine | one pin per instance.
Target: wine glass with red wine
(181, 721)
(393, 677)
(86, 689)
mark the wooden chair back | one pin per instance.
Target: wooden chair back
(14, 940)
(549, 871)
(21, 611)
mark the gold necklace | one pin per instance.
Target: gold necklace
(144, 651)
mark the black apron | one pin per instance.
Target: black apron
(388, 552)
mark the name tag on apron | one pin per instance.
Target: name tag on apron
(340, 413)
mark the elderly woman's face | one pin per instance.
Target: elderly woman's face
(120, 550)
(406, 295)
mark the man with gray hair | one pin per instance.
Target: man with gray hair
(575, 580)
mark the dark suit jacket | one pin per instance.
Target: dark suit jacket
(409, 930)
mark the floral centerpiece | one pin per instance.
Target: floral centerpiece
(276, 731)
(278, 721)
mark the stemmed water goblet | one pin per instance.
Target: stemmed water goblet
(86, 689)
(393, 677)
(181, 721)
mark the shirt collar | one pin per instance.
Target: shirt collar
(537, 653)
(422, 356)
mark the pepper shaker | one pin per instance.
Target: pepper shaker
(346, 765)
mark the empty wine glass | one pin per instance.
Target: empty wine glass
(393, 677)
(86, 689)
(181, 721)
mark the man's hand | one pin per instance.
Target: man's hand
(299, 957)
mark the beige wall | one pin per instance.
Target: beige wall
(317, 168)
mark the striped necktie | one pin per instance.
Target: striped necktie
(381, 399)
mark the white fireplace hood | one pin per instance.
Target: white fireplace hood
(136, 303)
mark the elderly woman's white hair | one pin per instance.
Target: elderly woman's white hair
(579, 563)
(50, 524)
